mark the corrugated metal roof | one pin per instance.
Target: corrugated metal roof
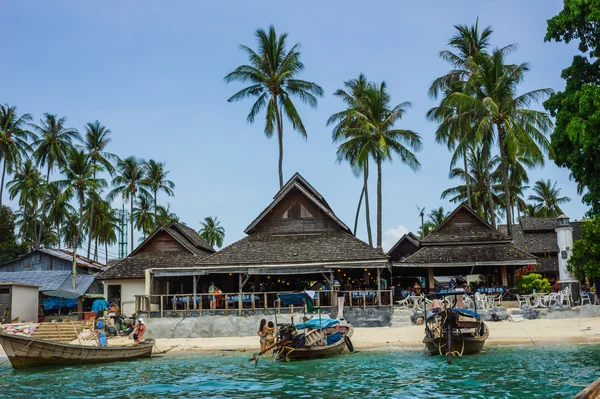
(68, 255)
(53, 283)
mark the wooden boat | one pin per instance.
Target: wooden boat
(592, 391)
(455, 332)
(25, 352)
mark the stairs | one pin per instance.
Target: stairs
(59, 332)
(401, 317)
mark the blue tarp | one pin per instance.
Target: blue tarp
(54, 303)
(333, 338)
(293, 299)
(467, 312)
(99, 304)
(317, 323)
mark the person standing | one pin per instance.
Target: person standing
(211, 291)
(261, 334)
(139, 331)
(269, 332)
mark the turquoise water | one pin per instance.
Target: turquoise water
(508, 372)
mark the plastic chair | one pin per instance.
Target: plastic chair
(565, 296)
(522, 300)
(585, 297)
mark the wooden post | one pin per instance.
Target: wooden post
(364, 300)
(161, 305)
(351, 298)
(504, 276)
(392, 298)
(279, 307)
(253, 303)
(195, 280)
(265, 298)
(430, 280)
(241, 285)
(200, 305)
(378, 287)
(174, 302)
(226, 305)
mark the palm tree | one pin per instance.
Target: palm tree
(347, 131)
(69, 231)
(272, 76)
(51, 148)
(492, 96)
(547, 199)
(143, 216)
(165, 217)
(107, 226)
(156, 179)
(128, 183)
(13, 140)
(377, 119)
(79, 179)
(58, 206)
(28, 184)
(95, 141)
(212, 231)
(437, 216)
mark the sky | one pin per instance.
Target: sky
(152, 72)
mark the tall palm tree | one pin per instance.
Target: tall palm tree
(69, 231)
(165, 217)
(28, 184)
(13, 140)
(143, 215)
(212, 231)
(128, 183)
(272, 75)
(437, 216)
(156, 180)
(352, 138)
(51, 148)
(95, 141)
(78, 172)
(107, 226)
(58, 206)
(547, 199)
(493, 96)
(377, 118)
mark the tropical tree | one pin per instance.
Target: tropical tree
(106, 226)
(51, 147)
(69, 231)
(58, 206)
(437, 216)
(28, 185)
(13, 140)
(377, 118)
(547, 199)
(272, 73)
(212, 231)
(143, 215)
(347, 131)
(156, 180)
(95, 141)
(165, 217)
(128, 183)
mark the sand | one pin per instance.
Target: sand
(527, 332)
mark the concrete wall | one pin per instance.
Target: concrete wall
(129, 289)
(24, 303)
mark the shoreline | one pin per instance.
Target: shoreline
(541, 332)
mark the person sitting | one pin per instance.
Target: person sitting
(436, 306)
(101, 334)
(139, 331)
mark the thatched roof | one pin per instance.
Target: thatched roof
(465, 239)
(407, 245)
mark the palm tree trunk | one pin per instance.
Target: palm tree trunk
(2, 184)
(91, 219)
(131, 219)
(362, 194)
(488, 187)
(39, 237)
(379, 210)
(96, 249)
(154, 221)
(280, 139)
(367, 207)
(504, 166)
(105, 253)
(467, 178)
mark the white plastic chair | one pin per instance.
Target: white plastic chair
(565, 296)
(522, 300)
(481, 299)
(585, 297)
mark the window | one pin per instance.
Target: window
(297, 211)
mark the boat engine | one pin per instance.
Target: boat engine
(287, 332)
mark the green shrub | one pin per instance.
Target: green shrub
(532, 281)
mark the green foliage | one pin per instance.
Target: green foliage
(212, 231)
(585, 260)
(575, 140)
(529, 282)
(9, 249)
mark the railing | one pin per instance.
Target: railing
(253, 301)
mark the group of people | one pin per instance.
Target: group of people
(138, 331)
(266, 332)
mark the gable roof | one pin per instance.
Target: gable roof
(472, 228)
(184, 235)
(408, 237)
(297, 182)
(64, 254)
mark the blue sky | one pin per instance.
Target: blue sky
(152, 71)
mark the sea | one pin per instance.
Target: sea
(498, 372)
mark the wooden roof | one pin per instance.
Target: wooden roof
(407, 245)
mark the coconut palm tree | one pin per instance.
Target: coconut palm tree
(156, 180)
(212, 231)
(377, 118)
(547, 199)
(143, 215)
(107, 226)
(28, 185)
(13, 140)
(69, 231)
(165, 217)
(129, 183)
(51, 147)
(272, 73)
(347, 132)
(504, 116)
(95, 141)
(437, 216)
(58, 206)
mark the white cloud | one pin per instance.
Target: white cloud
(391, 236)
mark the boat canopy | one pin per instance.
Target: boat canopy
(317, 323)
(293, 299)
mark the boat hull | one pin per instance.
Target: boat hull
(25, 352)
(312, 352)
(465, 346)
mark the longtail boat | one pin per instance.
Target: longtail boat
(26, 352)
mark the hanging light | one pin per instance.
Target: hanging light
(288, 283)
(230, 274)
(339, 270)
(268, 276)
(278, 280)
(365, 269)
(344, 274)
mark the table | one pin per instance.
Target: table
(535, 300)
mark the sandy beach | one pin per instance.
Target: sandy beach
(528, 332)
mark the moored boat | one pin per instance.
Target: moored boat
(26, 352)
(455, 332)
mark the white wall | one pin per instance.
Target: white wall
(129, 289)
(24, 303)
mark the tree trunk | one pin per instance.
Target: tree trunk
(131, 219)
(488, 186)
(96, 249)
(91, 229)
(106, 253)
(39, 237)
(467, 179)
(367, 207)
(362, 194)
(504, 166)
(155, 217)
(280, 139)
(379, 210)
(2, 184)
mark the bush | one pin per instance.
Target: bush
(532, 281)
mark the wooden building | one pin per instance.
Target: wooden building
(48, 259)
(466, 244)
(172, 247)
